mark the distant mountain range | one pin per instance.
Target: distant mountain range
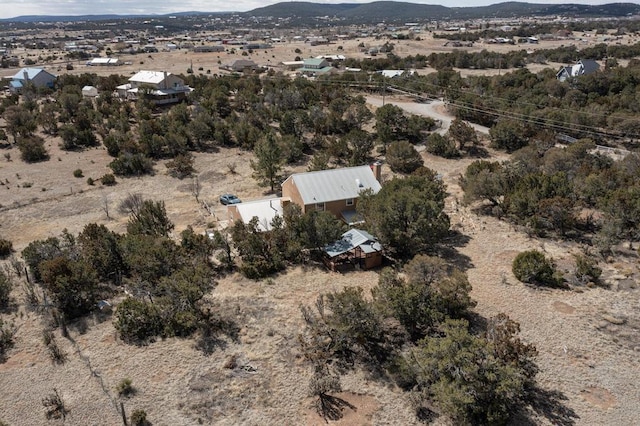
(379, 11)
(403, 11)
(105, 17)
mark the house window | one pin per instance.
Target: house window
(349, 201)
(320, 206)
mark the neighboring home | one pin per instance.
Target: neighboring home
(241, 65)
(103, 62)
(208, 48)
(314, 67)
(332, 58)
(582, 67)
(334, 190)
(316, 40)
(37, 77)
(150, 48)
(293, 65)
(89, 92)
(355, 248)
(160, 87)
(264, 210)
(396, 73)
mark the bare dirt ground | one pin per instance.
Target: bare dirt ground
(587, 341)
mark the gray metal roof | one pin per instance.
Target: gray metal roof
(589, 66)
(351, 239)
(335, 184)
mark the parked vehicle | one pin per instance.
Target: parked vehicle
(227, 199)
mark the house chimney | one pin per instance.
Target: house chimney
(164, 82)
(25, 75)
(376, 168)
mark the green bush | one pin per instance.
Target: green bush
(125, 388)
(402, 157)
(139, 418)
(533, 267)
(131, 165)
(7, 332)
(587, 269)
(6, 248)
(6, 284)
(77, 173)
(109, 179)
(32, 149)
(137, 321)
(441, 146)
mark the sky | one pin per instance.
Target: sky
(12, 8)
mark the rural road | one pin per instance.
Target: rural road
(433, 109)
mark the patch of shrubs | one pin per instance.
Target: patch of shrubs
(6, 248)
(6, 284)
(77, 173)
(32, 149)
(441, 146)
(125, 388)
(7, 331)
(532, 267)
(128, 164)
(109, 179)
(139, 418)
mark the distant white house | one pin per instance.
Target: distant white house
(582, 67)
(396, 73)
(160, 87)
(37, 77)
(89, 92)
(103, 62)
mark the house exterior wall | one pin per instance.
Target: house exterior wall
(43, 80)
(290, 191)
(233, 214)
(173, 81)
(335, 207)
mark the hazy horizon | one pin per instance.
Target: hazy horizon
(14, 9)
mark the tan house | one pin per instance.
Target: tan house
(241, 65)
(334, 190)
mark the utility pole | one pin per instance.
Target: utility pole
(384, 88)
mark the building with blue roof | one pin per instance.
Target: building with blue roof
(37, 77)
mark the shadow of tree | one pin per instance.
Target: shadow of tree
(210, 340)
(332, 408)
(551, 405)
(426, 415)
(477, 151)
(454, 257)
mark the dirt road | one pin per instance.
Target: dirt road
(434, 109)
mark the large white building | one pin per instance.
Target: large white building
(160, 87)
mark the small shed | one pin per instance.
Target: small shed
(89, 92)
(355, 248)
